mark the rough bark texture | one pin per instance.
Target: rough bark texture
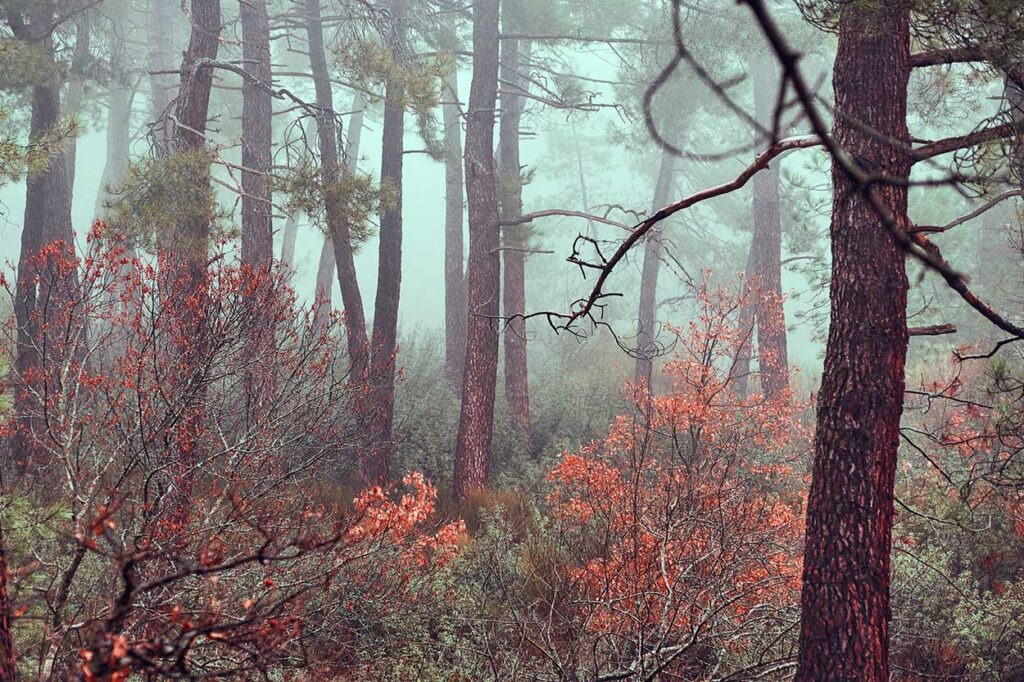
(389, 262)
(647, 313)
(325, 268)
(330, 171)
(514, 238)
(47, 218)
(190, 244)
(257, 110)
(476, 419)
(765, 272)
(454, 275)
(845, 600)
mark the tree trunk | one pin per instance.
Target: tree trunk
(325, 267)
(161, 83)
(288, 237)
(76, 88)
(454, 276)
(330, 172)
(47, 218)
(765, 273)
(647, 349)
(190, 244)
(845, 600)
(389, 262)
(514, 238)
(257, 110)
(476, 419)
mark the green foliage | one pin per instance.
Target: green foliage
(159, 194)
(355, 197)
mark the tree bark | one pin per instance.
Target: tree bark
(330, 172)
(76, 88)
(191, 242)
(325, 268)
(647, 313)
(47, 218)
(517, 391)
(845, 600)
(454, 276)
(476, 419)
(764, 264)
(389, 262)
(257, 110)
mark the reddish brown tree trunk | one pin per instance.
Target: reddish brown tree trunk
(454, 275)
(389, 262)
(191, 242)
(773, 356)
(845, 601)
(646, 315)
(330, 172)
(517, 390)
(257, 110)
(476, 419)
(47, 218)
(325, 267)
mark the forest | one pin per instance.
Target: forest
(559, 340)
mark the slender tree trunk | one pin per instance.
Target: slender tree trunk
(647, 349)
(191, 242)
(389, 262)
(514, 238)
(76, 88)
(161, 83)
(257, 110)
(47, 218)
(476, 419)
(581, 174)
(330, 172)
(288, 237)
(454, 275)
(118, 141)
(764, 271)
(845, 601)
(325, 267)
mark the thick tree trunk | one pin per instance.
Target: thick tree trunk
(330, 172)
(454, 275)
(647, 349)
(257, 110)
(764, 264)
(476, 419)
(517, 391)
(845, 602)
(389, 262)
(118, 142)
(47, 218)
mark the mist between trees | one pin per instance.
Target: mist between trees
(512, 340)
